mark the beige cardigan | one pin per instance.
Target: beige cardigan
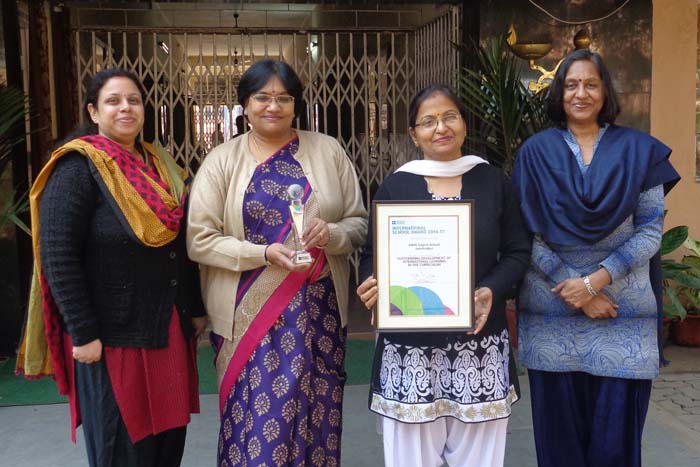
(215, 236)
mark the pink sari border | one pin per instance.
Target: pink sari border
(268, 314)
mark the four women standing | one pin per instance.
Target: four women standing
(108, 210)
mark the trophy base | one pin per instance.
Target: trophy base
(302, 257)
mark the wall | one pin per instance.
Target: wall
(674, 68)
(623, 40)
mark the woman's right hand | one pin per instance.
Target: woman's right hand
(600, 307)
(88, 353)
(368, 292)
(280, 255)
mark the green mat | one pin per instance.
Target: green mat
(16, 390)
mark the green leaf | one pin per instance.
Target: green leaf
(693, 265)
(694, 300)
(678, 310)
(11, 210)
(684, 279)
(672, 312)
(673, 265)
(692, 245)
(673, 238)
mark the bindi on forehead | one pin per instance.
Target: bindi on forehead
(582, 80)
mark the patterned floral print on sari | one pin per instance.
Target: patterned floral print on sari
(286, 406)
(282, 405)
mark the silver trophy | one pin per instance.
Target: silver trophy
(296, 208)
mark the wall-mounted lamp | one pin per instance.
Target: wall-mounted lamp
(164, 47)
(532, 52)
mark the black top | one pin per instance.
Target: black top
(106, 284)
(501, 242)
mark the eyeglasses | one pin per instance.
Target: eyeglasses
(429, 123)
(266, 99)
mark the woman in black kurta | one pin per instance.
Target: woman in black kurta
(120, 299)
(445, 382)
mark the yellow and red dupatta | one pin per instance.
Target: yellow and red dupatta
(147, 195)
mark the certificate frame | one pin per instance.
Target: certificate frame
(424, 265)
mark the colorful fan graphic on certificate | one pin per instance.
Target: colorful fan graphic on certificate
(424, 265)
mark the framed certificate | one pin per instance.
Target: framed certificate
(423, 263)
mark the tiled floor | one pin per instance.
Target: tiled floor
(37, 436)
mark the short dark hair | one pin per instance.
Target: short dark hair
(92, 94)
(256, 77)
(428, 91)
(555, 95)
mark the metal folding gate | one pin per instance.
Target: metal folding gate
(358, 85)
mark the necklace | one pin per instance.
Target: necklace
(259, 155)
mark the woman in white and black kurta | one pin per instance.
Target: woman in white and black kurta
(446, 396)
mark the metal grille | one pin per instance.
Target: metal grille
(358, 85)
(437, 60)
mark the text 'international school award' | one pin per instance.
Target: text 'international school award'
(296, 208)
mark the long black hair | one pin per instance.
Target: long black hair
(555, 96)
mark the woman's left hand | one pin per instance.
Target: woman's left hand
(573, 292)
(483, 299)
(199, 324)
(316, 234)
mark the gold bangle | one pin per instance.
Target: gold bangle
(267, 261)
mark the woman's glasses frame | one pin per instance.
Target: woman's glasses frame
(282, 100)
(430, 122)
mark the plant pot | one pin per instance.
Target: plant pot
(687, 332)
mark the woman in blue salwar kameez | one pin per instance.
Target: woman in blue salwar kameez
(592, 193)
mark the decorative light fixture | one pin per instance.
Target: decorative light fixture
(535, 51)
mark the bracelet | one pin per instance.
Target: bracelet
(267, 261)
(589, 287)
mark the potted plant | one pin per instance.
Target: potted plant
(681, 282)
(505, 113)
(13, 110)
(504, 110)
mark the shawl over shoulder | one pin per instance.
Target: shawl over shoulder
(570, 208)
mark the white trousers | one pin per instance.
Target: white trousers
(444, 440)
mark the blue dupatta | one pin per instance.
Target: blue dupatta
(567, 207)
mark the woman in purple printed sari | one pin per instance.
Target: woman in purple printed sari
(278, 326)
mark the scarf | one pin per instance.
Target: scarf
(431, 168)
(147, 196)
(570, 208)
